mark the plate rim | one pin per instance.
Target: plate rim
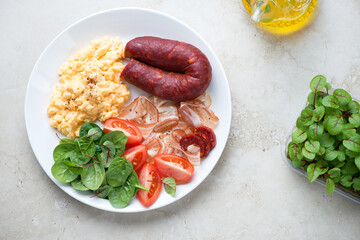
(216, 59)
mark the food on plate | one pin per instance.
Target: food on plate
(142, 113)
(150, 142)
(197, 115)
(197, 140)
(207, 134)
(137, 156)
(170, 165)
(170, 161)
(163, 123)
(132, 132)
(169, 69)
(151, 179)
(169, 185)
(168, 114)
(96, 161)
(326, 142)
(203, 137)
(89, 87)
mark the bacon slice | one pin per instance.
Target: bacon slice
(154, 147)
(142, 113)
(168, 114)
(197, 115)
(151, 136)
(182, 125)
(177, 134)
(204, 100)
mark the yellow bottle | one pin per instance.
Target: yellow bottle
(281, 16)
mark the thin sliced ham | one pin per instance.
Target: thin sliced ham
(197, 115)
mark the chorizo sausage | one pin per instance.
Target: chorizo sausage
(197, 140)
(207, 134)
(169, 69)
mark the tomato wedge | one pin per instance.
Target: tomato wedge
(150, 178)
(132, 132)
(169, 165)
(137, 156)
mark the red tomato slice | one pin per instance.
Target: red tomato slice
(137, 156)
(169, 165)
(150, 178)
(132, 132)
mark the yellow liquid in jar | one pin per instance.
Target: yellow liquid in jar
(286, 19)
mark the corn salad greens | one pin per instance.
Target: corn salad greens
(94, 162)
(326, 142)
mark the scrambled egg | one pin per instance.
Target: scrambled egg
(90, 87)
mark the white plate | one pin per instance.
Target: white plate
(127, 23)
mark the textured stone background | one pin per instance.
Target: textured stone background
(251, 193)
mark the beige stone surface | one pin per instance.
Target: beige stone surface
(251, 193)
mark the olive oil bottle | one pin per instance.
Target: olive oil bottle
(281, 17)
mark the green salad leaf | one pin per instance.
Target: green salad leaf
(295, 151)
(78, 185)
(312, 146)
(354, 119)
(313, 172)
(330, 185)
(170, 186)
(331, 101)
(118, 171)
(299, 136)
(352, 143)
(317, 83)
(63, 151)
(315, 131)
(62, 173)
(93, 175)
(342, 95)
(353, 107)
(103, 191)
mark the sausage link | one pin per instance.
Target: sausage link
(169, 69)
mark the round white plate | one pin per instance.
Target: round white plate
(126, 23)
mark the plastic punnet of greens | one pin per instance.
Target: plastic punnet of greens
(326, 141)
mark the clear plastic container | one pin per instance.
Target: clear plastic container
(284, 153)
